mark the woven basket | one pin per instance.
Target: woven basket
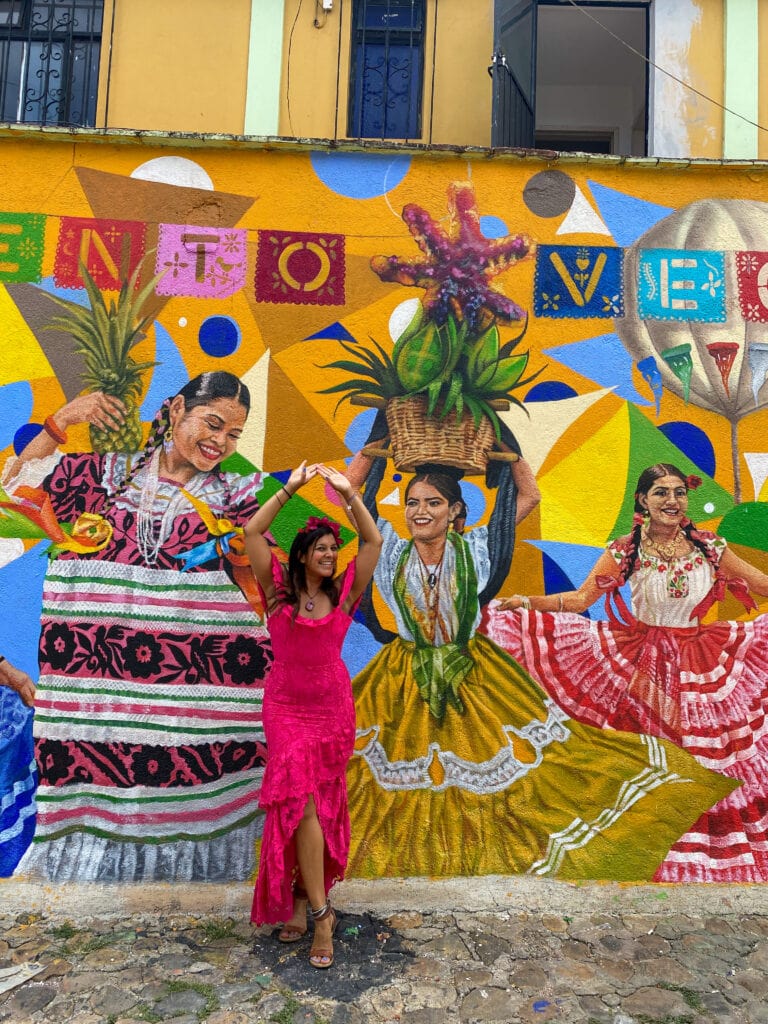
(418, 438)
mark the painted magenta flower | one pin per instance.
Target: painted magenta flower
(459, 265)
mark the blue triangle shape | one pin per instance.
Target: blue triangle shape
(626, 217)
(566, 566)
(333, 332)
(603, 360)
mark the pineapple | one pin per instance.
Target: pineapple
(105, 337)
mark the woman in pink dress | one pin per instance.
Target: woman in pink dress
(308, 712)
(659, 670)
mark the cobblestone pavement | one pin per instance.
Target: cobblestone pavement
(649, 955)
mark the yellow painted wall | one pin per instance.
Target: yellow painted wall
(706, 60)
(462, 102)
(688, 43)
(456, 97)
(179, 65)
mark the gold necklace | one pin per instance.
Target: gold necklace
(667, 551)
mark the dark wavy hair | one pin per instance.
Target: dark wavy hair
(296, 576)
(645, 482)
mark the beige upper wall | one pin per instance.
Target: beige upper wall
(456, 106)
(176, 65)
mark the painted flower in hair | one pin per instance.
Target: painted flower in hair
(459, 263)
(693, 482)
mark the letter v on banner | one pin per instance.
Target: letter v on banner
(579, 281)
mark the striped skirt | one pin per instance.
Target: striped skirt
(148, 731)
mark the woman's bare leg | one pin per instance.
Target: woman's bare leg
(310, 852)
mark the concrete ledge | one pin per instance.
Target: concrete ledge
(386, 896)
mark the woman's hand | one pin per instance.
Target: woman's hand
(300, 476)
(96, 408)
(18, 681)
(338, 481)
(511, 604)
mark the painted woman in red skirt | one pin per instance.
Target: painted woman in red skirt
(308, 712)
(659, 670)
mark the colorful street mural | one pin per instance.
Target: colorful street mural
(521, 340)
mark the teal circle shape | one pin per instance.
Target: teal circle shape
(360, 175)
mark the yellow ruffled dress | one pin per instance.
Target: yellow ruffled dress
(464, 766)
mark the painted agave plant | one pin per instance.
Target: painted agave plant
(454, 368)
(452, 351)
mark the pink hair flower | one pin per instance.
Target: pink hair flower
(318, 522)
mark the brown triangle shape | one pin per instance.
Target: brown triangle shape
(60, 348)
(295, 430)
(121, 197)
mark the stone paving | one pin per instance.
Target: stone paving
(607, 955)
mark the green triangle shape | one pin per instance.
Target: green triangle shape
(294, 513)
(647, 446)
(747, 524)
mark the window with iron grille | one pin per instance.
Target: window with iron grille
(387, 69)
(49, 61)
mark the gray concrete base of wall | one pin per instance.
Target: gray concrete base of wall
(384, 897)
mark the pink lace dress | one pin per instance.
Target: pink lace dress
(309, 724)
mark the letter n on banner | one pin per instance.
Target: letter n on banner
(110, 249)
(752, 275)
(22, 240)
(207, 263)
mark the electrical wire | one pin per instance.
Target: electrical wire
(288, 68)
(669, 74)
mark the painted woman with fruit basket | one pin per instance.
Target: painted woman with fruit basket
(148, 703)
(463, 764)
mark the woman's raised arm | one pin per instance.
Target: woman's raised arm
(369, 538)
(104, 411)
(256, 546)
(570, 600)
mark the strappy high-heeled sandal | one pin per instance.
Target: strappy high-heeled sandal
(321, 958)
(293, 932)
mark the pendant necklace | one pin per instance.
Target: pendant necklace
(430, 575)
(309, 604)
(430, 585)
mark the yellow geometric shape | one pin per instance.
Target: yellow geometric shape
(546, 422)
(582, 493)
(21, 357)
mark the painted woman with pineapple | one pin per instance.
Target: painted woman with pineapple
(148, 703)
